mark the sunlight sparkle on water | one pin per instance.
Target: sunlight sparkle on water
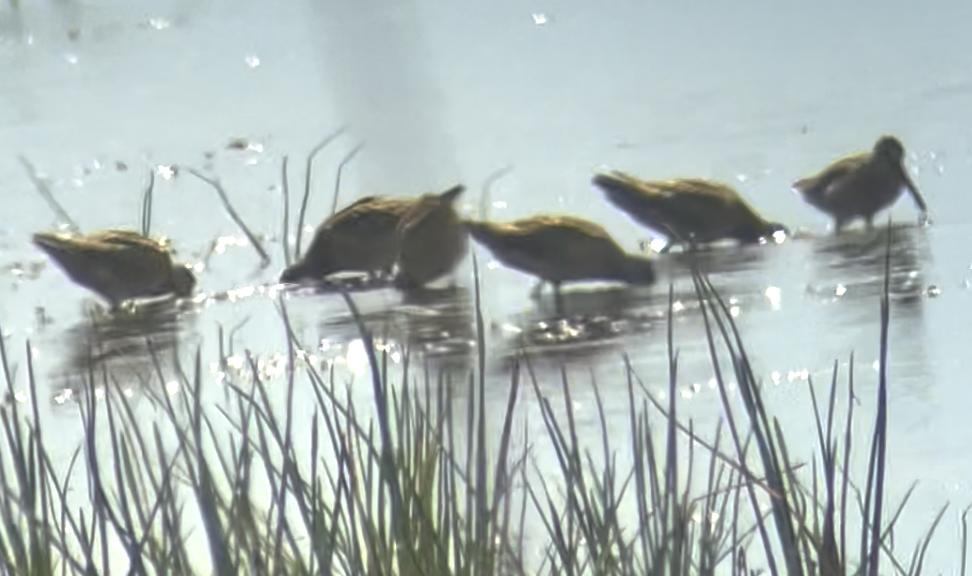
(773, 295)
(158, 23)
(357, 356)
(252, 61)
(223, 241)
(240, 293)
(800, 375)
(840, 290)
(165, 171)
(713, 517)
(492, 265)
(540, 19)
(657, 244)
(677, 307)
(499, 204)
(389, 348)
(172, 386)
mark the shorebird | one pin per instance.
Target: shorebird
(861, 185)
(689, 211)
(432, 239)
(118, 265)
(361, 237)
(560, 249)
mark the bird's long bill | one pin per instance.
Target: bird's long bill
(915, 193)
(451, 194)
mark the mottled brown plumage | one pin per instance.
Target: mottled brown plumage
(861, 185)
(432, 239)
(692, 211)
(559, 249)
(118, 265)
(361, 237)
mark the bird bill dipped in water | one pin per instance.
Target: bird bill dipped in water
(688, 211)
(861, 185)
(561, 249)
(118, 265)
(361, 237)
(432, 239)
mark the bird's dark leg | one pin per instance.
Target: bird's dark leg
(537, 289)
(404, 283)
(558, 299)
(869, 222)
(838, 225)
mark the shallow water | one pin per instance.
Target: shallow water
(456, 91)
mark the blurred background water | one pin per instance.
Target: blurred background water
(754, 93)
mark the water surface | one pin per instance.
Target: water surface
(437, 93)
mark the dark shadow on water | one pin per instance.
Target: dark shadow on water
(129, 347)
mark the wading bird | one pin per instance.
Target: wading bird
(559, 249)
(690, 211)
(118, 265)
(861, 185)
(432, 239)
(361, 237)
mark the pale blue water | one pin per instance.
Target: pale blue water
(754, 93)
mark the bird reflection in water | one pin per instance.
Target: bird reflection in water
(715, 260)
(436, 324)
(129, 347)
(852, 265)
(850, 274)
(337, 283)
(597, 322)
